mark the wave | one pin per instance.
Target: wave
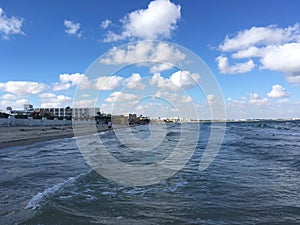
(172, 133)
(34, 203)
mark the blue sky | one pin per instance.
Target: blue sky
(252, 47)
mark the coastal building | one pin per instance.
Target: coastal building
(83, 113)
(67, 112)
(28, 107)
(119, 119)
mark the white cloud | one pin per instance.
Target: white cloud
(169, 96)
(260, 36)
(135, 82)
(23, 87)
(277, 92)
(85, 103)
(142, 52)
(72, 28)
(85, 95)
(260, 108)
(120, 97)
(211, 99)
(75, 78)
(283, 58)
(108, 82)
(179, 80)
(278, 49)
(163, 83)
(225, 68)
(69, 80)
(186, 99)
(293, 79)
(175, 98)
(49, 100)
(61, 86)
(14, 103)
(105, 24)
(247, 53)
(255, 99)
(47, 95)
(160, 67)
(237, 103)
(158, 20)
(10, 26)
(8, 97)
(282, 101)
(184, 79)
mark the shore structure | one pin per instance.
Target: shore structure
(25, 135)
(28, 126)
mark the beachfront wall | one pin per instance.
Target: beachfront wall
(12, 121)
(119, 120)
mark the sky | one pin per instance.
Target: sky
(48, 50)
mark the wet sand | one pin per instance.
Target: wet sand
(19, 136)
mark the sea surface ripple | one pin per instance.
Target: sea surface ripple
(253, 180)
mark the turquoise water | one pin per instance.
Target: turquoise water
(253, 180)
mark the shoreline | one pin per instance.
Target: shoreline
(25, 135)
(13, 136)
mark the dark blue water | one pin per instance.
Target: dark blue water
(255, 179)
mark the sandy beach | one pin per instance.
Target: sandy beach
(18, 136)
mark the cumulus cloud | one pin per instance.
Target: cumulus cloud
(106, 83)
(157, 21)
(69, 80)
(21, 88)
(105, 24)
(237, 103)
(120, 97)
(162, 55)
(283, 58)
(211, 99)
(14, 103)
(61, 86)
(186, 99)
(72, 28)
(225, 68)
(255, 99)
(293, 79)
(49, 100)
(282, 101)
(277, 49)
(85, 103)
(135, 82)
(8, 97)
(277, 92)
(163, 83)
(269, 35)
(159, 67)
(10, 26)
(185, 79)
(179, 80)
(249, 52)
(177, 98)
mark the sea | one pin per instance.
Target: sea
(253, 179)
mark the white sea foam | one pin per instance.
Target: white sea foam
(34, 203)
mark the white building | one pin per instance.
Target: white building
(68, 112)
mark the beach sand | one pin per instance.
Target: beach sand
(19, 136)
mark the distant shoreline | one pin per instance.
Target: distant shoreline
(27, 135)
(228, 120)
(12, 136)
